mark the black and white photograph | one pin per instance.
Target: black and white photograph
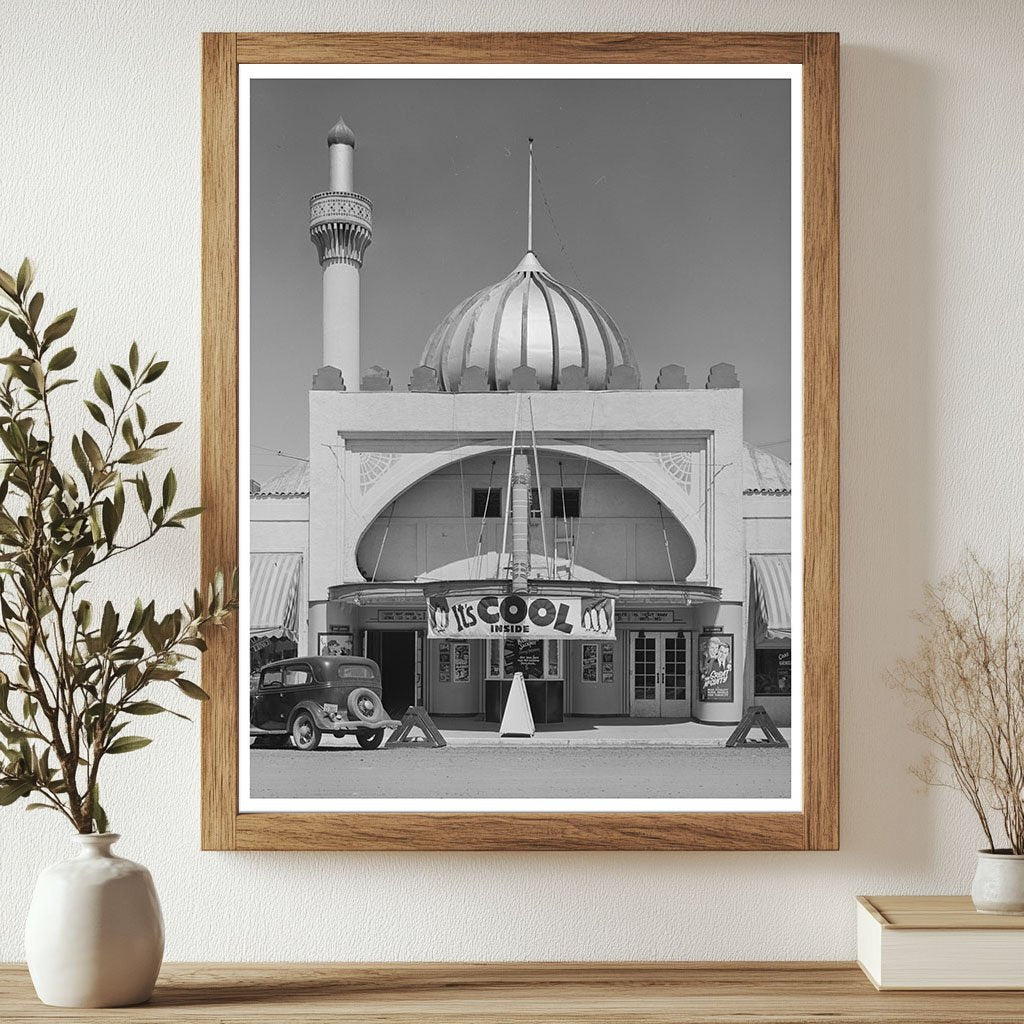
(520, 391)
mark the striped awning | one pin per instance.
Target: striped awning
(773, 588)
(274, 594)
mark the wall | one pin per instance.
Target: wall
(100, 172)
(766, 523)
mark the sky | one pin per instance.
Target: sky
(665, 201)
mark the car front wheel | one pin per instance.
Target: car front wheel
(370, 740)
(305, 734)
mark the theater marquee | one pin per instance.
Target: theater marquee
(559, 618)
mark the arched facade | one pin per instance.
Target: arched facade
(443, 527)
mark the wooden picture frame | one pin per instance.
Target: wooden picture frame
(816, 827)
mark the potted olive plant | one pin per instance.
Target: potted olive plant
(966, 682)
(79, 672)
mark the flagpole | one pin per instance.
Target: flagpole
(529, 206)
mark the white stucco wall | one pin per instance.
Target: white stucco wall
(102, 187)
(766, 523)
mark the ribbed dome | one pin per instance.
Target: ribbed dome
(527, 319)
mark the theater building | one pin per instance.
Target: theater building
(517, 499)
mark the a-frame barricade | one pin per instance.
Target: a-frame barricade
(416, 718)
(756, 718)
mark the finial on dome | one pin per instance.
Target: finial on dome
(341, 135)
(529, 264)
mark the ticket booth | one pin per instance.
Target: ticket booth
(542, 664)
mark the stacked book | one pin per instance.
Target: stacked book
(938, 942)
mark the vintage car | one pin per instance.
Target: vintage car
(302, 698)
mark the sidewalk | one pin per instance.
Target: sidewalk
(592, 732)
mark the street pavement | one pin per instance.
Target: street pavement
(345, 771)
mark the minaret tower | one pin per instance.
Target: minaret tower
(341, 228)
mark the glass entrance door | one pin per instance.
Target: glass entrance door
(659, 675)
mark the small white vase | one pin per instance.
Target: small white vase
(999, 883)
(95, 934)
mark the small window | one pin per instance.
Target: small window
(486, 503)
(565, 503)
(270, 678)
(534, 503)
(772, 672)
(536, 659)
(296, 676)
(356, 672)
(526, 656)
(554, 649)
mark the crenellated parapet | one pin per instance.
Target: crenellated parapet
(722, 375)
(376, 378)
(672, 378)
(328, 378)
(475, 380)
(341, 227)
(424, 380)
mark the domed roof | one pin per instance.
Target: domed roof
(527, 319)
(291, 483)
(765, 473)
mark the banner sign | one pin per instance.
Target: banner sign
(556, 618)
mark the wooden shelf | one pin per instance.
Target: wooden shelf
(793, 993)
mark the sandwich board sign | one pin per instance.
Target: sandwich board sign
(517, 719)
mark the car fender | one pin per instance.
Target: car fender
(316, 711)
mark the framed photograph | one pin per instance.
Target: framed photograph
(531, 343)
(334, 645)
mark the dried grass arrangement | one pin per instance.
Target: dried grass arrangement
(966, 683)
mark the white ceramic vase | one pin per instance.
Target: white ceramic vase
(95, 934)
(999, 883)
